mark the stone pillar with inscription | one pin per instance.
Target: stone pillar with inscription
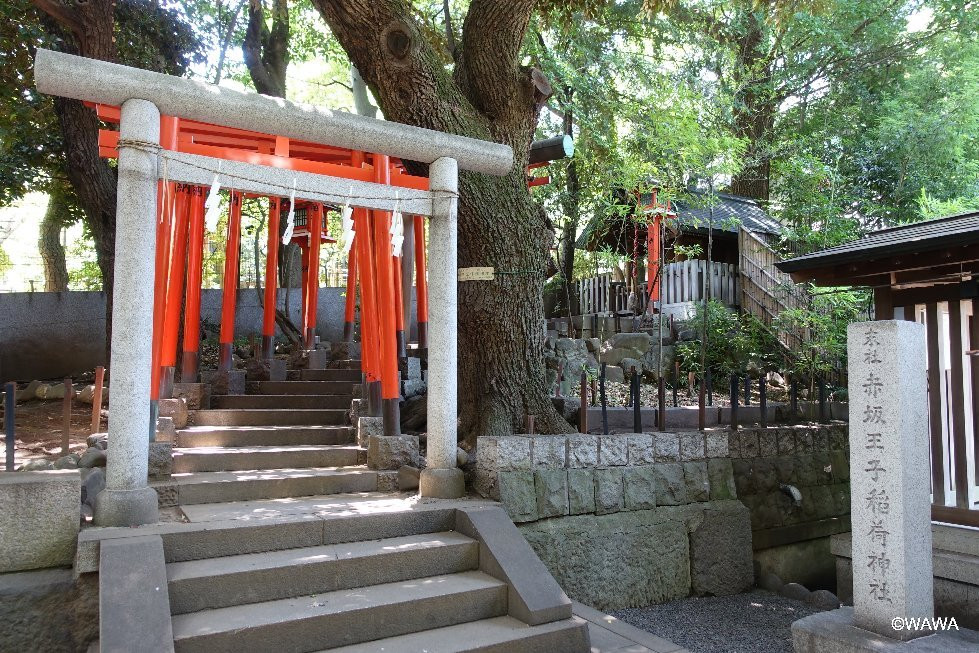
(889, 479)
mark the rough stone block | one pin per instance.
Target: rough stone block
(165, 430)
(696, 479)
(175, 409)
(550, 451)
(692, 445)
(840, 464)
(749, 443)
(716, 444)
(720, 475)
(413, 368)
(389, 481)
(666, 447)
(768, 442)
(355, 408)
(608, 491)
(641, 451)
(568, 407)
(392, 452)
(720, 551)
(621, 571)
(368, 427)
(518, 495)
(820, 439)
(195, 394)
(317, 359)
(671, 489)
(803, 441)
(581, 491)
(160, 460)
(551, 486)
(39, 517)
(224, 383)
(582, 451)
(512, 453)
(613, 451)
(639, 488)
(786, 441)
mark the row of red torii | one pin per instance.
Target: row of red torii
(168, 147)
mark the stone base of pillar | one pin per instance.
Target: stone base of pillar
(317, 359)
(834, 631)
(224, 383)
(442, 483)
(127, 507)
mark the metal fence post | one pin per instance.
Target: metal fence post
(8, 413)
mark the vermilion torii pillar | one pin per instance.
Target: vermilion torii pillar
(192, 307)
(229, 288)
(271, 280)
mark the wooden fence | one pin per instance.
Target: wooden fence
(682, 282)
(953, 407)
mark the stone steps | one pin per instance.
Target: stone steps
(345, 375)
(496, 635)
(248, 485)
(304, 388)
(271, 417)
(251, 578)
(251, 436)
(281, 401)
(222, 458)
(343, 617)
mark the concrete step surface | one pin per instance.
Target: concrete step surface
(256, 577)
(249, 485)
(332, 619)
(222, 459)
(347, 375)
(271, 417)
(267, 401)
(496, 635)
(273, 436)
(305, 387)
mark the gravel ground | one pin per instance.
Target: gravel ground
(755, 622)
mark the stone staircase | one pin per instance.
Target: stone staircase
(290, 439)
(290, 547)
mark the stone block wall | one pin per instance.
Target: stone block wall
(795, 481)
(625, 520)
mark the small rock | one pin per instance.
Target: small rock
(67, 462)
(771, 582)
(794, 591)
(93, 482)
(408, 477)
(462, 457)
(39, 465)
(823, 599)
(30, 392)
(93, 457)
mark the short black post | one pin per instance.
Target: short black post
(661, 413)
(747, 390)
(636, 403)
(583, 403)
(763, 401)
(710, 388)
(822, 402)
(734, 402)
(601, 392)
(676, 384)
(8, 413)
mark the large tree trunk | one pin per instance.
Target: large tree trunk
(487, 96)
(56, 217)
(754, 110)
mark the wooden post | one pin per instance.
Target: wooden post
(702, 406)
(390, 390)
(166, 201)
(229, 284)
(66, 417)
(192, 309)
(763, 401)
(734, 402)
(661, 413)
(97, 399)
(350, 305)
(603, 399)
(636, 402)
(583, 404)
(175, 288)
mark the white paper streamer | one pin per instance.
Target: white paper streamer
(347, 224)
(397, 229)
(291, 218)
(212, 206)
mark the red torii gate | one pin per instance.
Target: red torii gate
(180, 237)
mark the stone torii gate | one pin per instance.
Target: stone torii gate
(143, 96)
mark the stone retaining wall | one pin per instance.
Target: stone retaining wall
(791, 534)
(625, 520)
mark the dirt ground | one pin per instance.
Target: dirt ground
(38, 427)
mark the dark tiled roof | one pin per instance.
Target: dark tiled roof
(961, 229)
(730, 211)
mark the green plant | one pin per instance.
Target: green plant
(735, 343)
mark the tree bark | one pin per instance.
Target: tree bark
(754, 110)
(487, 96)
(572, 205)
(265, 49)
(56, 217)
